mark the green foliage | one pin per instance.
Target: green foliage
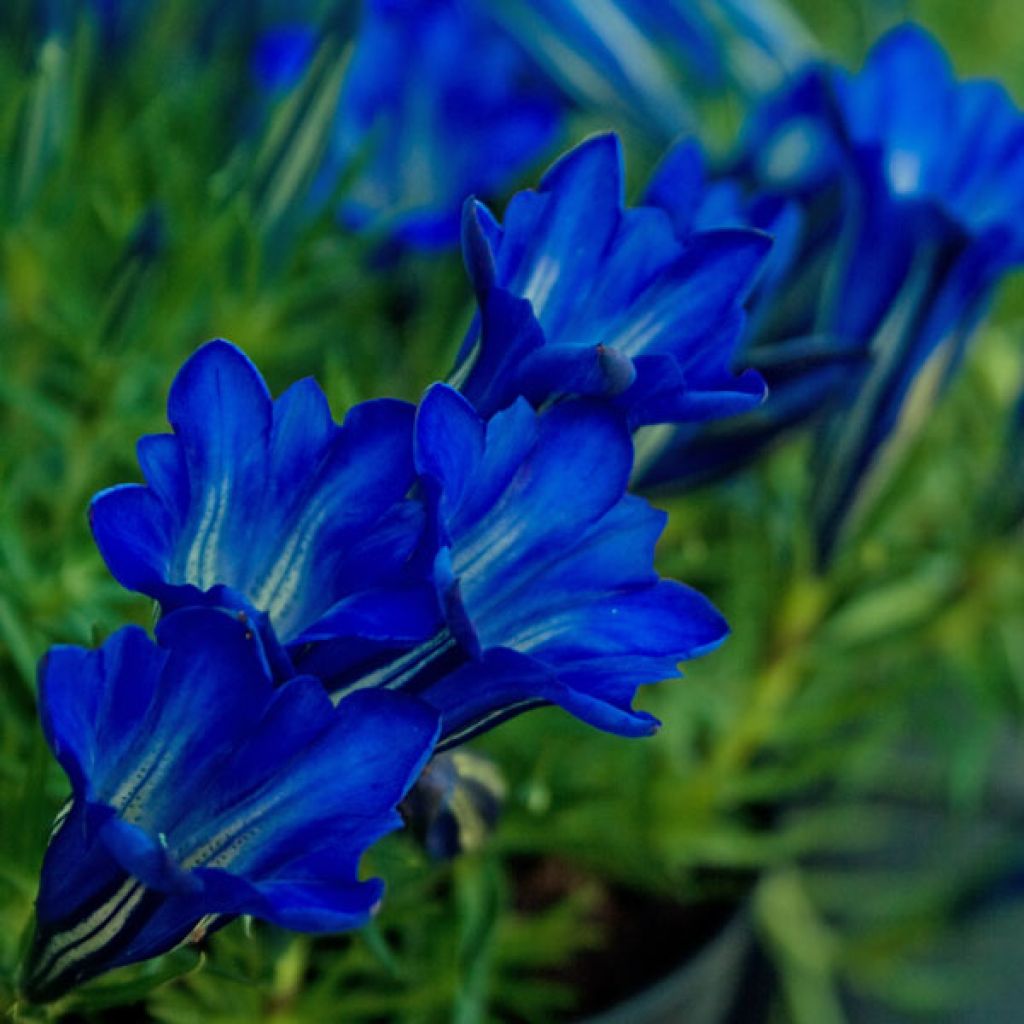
(843, 762)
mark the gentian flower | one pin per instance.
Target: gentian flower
(455, 804)
(787, 181)
(534, 586)
(912, 186)
(579, 295)
(940, 184)
(543, 569)
(447, 98)
(643, 59)
(201, 791)
(270, 507)
(437, 104)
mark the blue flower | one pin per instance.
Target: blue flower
(912, 189)
(201, 791)
(643, 59)
(939, 186)
(447, 98)
(437, 104)
(270, 507)
(579, 295)
(543, 569)
(282, 55)
(786, 182)
(455, 804)
(118, 21)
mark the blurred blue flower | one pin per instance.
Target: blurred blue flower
(283, 54)
(120, 22)
(911, 187)
(270, 507)
(543, 568)
(437, 104)
(448, 98)
(786, 181)
(644, 59)
(202, 791)
(580, 295)
(455, 804)
(940, 185)
(116, 22)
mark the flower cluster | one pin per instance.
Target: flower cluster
(340, 602)
(896, 197)
(448, 98)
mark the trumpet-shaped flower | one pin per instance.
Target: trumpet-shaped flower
(579, 295)
(271, 507)
(939, 180)
(787, 183)
(535, 585)
(202, 791)
(543, 569)
(912, 188)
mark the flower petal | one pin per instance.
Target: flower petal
(202, 789)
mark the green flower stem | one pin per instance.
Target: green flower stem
(801, 614)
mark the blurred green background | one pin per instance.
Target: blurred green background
(831, 820)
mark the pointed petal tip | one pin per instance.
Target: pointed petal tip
(718, 633)
(476, 250)
(911, 35)
(651, 725)
(219, 373)
(441, 402)
(596, 159)
(222, 351)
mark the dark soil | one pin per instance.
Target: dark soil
(642, 938)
